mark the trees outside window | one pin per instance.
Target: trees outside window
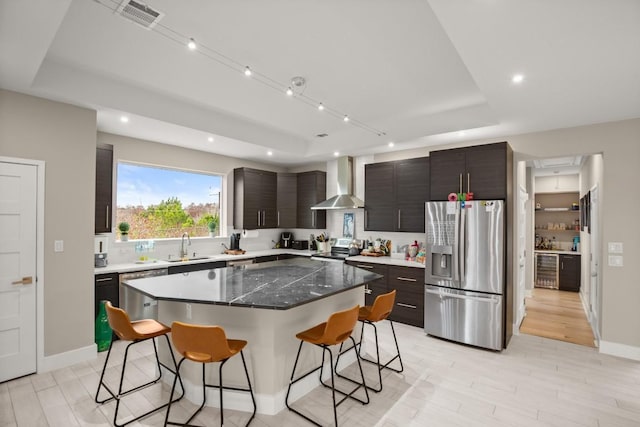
(163, 203)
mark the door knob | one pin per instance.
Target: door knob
(25, 281)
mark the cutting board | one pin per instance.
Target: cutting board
(234, 251)
(374, 254)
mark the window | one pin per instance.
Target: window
(159, 202)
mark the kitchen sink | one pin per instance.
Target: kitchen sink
(187, 259)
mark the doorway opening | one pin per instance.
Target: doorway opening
(559, 298)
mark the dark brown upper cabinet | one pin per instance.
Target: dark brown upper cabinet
(104, 190)
(483, 170)
(254, 196)
(312, 189)
(395, 194)
(287, 200)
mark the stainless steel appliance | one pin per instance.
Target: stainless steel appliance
(234, 242)
(465, 272)
(300, 244)
(547, 272)
(286, 239)
(339, 251)
(137, 305)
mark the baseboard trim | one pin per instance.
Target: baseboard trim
(620, 350)
(68, 358)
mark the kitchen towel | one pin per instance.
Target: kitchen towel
(249, 234)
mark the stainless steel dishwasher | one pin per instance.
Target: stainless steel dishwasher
(137, 305)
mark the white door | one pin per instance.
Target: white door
(523, 196)
(17, 270)
(594, 281)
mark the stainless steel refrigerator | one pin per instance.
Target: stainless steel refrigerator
(465, 272)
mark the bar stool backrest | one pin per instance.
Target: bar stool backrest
(382, 306)
(200, 343)
(340, 326)
(120, 323)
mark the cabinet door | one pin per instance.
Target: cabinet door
(569, 274)
(106, 288)
(446, 169)
(268, 199)
(379, 197)
(412, 191)
(409, 285)
(287, 200)
(312, 189)
(186, 268)
(486, 171)
(104, 193)
(375, 287)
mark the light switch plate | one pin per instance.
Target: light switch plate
(58, 246)
(615, 247)
(615, 261)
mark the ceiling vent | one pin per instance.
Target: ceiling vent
(139, 13)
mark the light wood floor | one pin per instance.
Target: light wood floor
(557, 315)
(534, 382)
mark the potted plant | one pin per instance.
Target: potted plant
(212, 226)
(124, 231)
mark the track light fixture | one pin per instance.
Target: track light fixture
(296, 85)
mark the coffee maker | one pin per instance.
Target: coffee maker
(100, 251)
(234, 243)
(286, 239)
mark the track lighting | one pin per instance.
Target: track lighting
(289, 91)
(346, 118)
(320, 107)
(247, 71)
(192, 44)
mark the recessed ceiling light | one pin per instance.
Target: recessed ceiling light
(269, 153)
(517, 78)
(320, 107)
(192, 44)
(289, 91)
(336, 154)
(346, 118)
(124, 119)
(210, 139)
(247, 71)
(391, 144)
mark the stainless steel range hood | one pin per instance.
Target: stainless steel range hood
(345, 198)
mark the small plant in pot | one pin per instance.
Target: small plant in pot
(124, 231)
(212, 226)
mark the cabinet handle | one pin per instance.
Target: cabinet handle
(468, 181)
(264, 218)
(313, 219)
(406, 279)
(258, 218)
(104, 279)
(561, 265)
(106, 220)
(364, 266)
(399, 214)
(278, 218)
(367, 291)
(460, 176)
(400, 304)
(366, 219)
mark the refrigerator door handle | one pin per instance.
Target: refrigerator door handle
(462, 250)
(442, 295)
(455, 254)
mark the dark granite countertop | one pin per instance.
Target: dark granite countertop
(278, 285)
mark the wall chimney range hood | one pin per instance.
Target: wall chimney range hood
(345, 198)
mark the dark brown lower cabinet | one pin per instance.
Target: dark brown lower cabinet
(106, 289)
(569, 273)
(409, 285)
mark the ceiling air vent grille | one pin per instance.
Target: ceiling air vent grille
(139, 13)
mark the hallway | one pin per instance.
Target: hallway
(557, 315)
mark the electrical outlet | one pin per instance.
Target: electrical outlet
(188, 306)
(58, 246)
(615, 261)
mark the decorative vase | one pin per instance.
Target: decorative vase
(124, 237)
(103, 330)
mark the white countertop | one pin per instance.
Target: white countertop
(557, 251)
(132, 266)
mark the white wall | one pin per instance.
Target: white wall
(557, 183)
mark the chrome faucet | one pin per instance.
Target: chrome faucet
(183, 249)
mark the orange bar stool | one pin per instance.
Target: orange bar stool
(336, 330)
(207, 344)
(136, 332)
(370, 315)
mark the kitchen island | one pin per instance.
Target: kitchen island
(265, 304)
